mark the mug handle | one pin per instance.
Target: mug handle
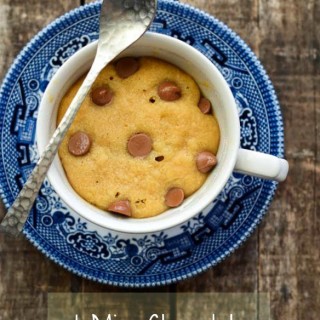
(261, 165)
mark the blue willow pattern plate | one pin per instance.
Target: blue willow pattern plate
(146, 259)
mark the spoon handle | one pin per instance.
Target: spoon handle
(17, 214)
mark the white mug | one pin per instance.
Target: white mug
(213, 86)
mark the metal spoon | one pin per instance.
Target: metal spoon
(122, 22)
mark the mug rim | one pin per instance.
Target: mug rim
(132, 225)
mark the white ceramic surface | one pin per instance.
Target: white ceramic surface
(213, 86)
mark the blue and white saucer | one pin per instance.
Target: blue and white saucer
(139, 260)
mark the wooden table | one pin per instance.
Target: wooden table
(282, 256)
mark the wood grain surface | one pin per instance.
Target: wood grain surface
(282, 256)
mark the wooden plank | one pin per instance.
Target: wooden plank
(289, 245)
(25, 279)
(287, 31)
(26, 275)
(313, 280)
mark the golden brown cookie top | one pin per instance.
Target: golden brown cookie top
(148, 133)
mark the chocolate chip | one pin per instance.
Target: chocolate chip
(126, 67)
(169, 91)
(79, 144)
(206, 161)
(159, 158)
(139, 145)
(204, 105)
(174, 197)
(122, 207)
(101, 95)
